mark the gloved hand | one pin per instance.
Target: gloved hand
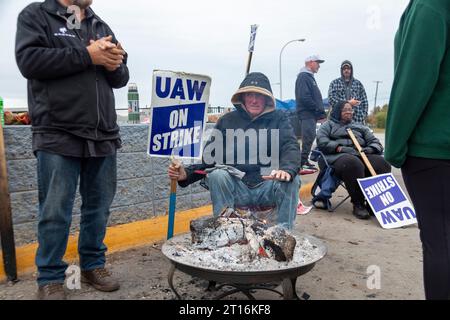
(368, 150)
(346, 150)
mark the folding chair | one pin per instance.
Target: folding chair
(326, 184)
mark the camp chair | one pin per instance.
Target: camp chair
(325, 185)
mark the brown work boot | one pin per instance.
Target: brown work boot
(100, 279)
(52, 291)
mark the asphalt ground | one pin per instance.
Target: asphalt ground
(358, 251)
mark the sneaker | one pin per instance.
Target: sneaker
(360, 212)
(304, 172)
(52, 291)
(301, 209)
(101, 279)
(309, 166)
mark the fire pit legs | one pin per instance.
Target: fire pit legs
(288, 286)
(245, 289)
(170, 280)
(289, 291)
(212, 286)
(236, 289)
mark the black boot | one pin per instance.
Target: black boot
(367, 205)
(360, 212)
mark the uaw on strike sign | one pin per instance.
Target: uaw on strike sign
(179, 102)
(388, 201)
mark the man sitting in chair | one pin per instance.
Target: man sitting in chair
(335, 143)
(241, 176)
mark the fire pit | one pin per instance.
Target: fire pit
(225, 268)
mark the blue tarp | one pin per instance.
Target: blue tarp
(289, 105)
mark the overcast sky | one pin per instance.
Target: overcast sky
(211, 37)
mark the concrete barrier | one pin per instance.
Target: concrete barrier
(142, 187)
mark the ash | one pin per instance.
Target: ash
(238, 257)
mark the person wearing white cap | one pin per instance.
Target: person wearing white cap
(310, 107)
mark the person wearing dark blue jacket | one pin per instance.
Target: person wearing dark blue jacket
(310, 107)
(259, 171)
(72, 61)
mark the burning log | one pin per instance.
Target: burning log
(279, 244)
(212, 233)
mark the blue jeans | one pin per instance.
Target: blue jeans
(57, 181)
(228, 191)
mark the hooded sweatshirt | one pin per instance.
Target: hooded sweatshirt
(419, 109)
(308, 97)
(240, 121)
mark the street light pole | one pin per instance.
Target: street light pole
(281, 52)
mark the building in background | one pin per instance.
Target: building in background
(133, 104)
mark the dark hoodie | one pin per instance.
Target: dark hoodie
(336, 111)
(308, 97)
(348, 84)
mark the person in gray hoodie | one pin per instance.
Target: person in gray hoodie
(310, 107)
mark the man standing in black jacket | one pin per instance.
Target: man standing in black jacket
(309, 106)
(72, 61)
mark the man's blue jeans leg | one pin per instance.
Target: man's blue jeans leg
(57, 183)
(285, 196)
(97, 188)
(227, 191)
(57, 180)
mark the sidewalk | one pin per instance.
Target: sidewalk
(353, 246)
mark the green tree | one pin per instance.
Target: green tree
(381, 119)
(377, 118)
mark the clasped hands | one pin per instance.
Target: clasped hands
(105, 53)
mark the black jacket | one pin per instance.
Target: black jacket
(289, 149)
(66, 92)
(308, 97)
(333, 134)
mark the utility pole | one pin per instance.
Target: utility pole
(376, 93)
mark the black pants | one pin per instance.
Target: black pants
(428, 184)
(348, 168)
(308, 129)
